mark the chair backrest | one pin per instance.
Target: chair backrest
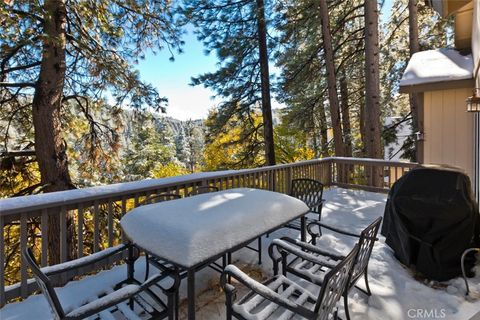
(309, 191)
(160, 198)
(334, 285)
(202, 189)
(366, 242)
(45, 284)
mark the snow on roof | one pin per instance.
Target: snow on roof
(438, 65)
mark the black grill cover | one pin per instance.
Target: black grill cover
(430, 218)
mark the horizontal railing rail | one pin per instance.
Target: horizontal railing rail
(96, 211)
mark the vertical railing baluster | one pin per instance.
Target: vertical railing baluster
(135, 200)
(96, 226)
(63, 234)
(80, 219)
(288, 179)
(124, 211)
(110, 222)
(44, 230)
(2, 263)
(23, 245)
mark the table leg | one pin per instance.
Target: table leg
(130, 270)
(303, 232)
(130, 264)
(191, 293)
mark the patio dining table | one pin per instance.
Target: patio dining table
(192, 232)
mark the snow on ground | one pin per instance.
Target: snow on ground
(396, 294)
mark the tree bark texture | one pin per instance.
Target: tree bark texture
(372, 91)
(50, 148)
(323, 130)
(347, 131)
(265, 84)
(346, 128)
(414, 47)
(331, 79)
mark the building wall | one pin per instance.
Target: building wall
(448, 129)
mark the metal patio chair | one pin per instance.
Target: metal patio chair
(309, 191)
(281, 298)
(315, 272)
(127, 302)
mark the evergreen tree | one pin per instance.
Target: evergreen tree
(60, 51)
(237, 32)
(150, 148)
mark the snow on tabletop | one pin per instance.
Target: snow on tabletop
(437, 66)
(191, 230)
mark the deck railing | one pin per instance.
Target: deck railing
(96, 211)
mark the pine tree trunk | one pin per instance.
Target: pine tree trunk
(331, 79)
(323, 130)
(372, 92)
(347, 131)
(414, 47)
(265, 83)
(49, 146)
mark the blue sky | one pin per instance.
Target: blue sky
(172, 79)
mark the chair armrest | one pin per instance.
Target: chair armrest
(104, 302)
(326, 226)
(305, 246)
(84, 261)
(260, 289)
(284, 247)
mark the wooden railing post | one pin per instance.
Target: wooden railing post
(329, 173)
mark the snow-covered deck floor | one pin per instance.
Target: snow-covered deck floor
(396, 294)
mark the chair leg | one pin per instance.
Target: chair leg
(345, 304)
(365, 275)
(260, 250)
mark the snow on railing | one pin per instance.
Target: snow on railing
(103, 206)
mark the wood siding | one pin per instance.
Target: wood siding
(448, 128)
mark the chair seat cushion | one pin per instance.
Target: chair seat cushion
(254, 306)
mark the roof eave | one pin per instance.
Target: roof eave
(435, 86)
